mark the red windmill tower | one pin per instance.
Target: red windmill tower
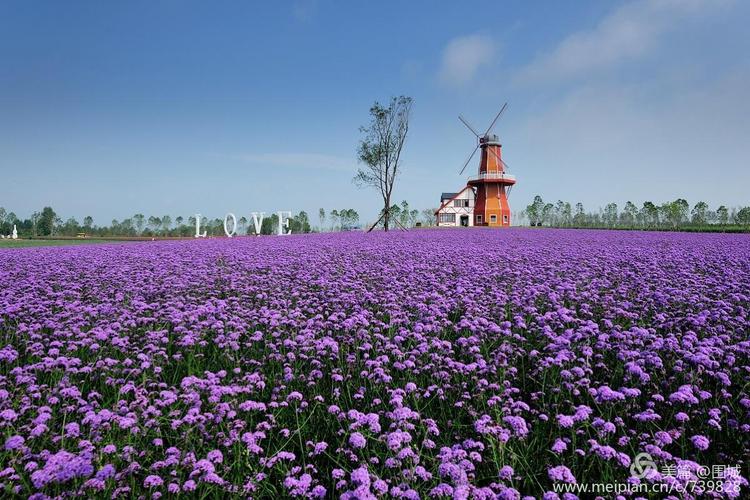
(492, 184)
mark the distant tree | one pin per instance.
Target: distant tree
(413, 217)
(35, 217)
(395, 212)
(676, 212)
(548, 214)
(11, 219)
(558, 213)
(535, 211)
(743, 216)
(403, 215)
(567, 215)
(650, 214)
(154, 223)
(126, 227)
(139, 222)
(353, 218)
(665, 213)
(610, 214)
(629, 214)
(88, 221)
(334, 219)
(343, 219)
(25, 227)
(428, 217)
(710, 217)
(579, 219)
(179, 220)
(698, 213)
(46, 224)
(303, 222)
(733, 215)
(7, 220)
(681, 210)
(270, 225)
(381, 147)
(242, 225)
(166, 224)
(349, 219)
(722, 215)
(70, 227)
(322, 218)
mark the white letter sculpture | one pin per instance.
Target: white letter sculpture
(198, 227)
(258, 223)
(234, 225)
(284, 223)
(15, 233)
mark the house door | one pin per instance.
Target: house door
(464, 220)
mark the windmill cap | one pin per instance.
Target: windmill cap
(490, 139)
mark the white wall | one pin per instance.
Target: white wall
(467, 194)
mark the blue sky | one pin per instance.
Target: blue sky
(108, 109)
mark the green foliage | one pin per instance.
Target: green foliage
(674, 215)
(300, 223)
(46, 222)
(535, 211)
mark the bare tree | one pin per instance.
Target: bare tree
(380, 150)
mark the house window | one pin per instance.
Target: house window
(447, 218)
(460, 203)
(505, 219)
(493, 219)
(479, 219)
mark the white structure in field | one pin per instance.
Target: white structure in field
(456, 209)
(15, 233)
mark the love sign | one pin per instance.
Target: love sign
(230, 223)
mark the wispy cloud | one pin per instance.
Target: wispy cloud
(463, 57)
(641, 141)
(628, 33)
(307, 161)
(304, 10)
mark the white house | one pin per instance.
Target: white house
(456, 209)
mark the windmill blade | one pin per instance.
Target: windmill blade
(496, 117)
(470, 157)
(467, 125)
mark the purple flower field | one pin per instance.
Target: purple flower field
(434, 363)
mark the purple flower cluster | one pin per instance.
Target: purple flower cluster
(433, 363)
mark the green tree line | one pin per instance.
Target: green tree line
(47, 223)
(348, 219)
(674, 215)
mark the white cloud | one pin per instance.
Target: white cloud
(640, 142)
(628, 33)
(304, 10)
(463, 57)
(307, 161)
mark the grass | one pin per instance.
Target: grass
(6, 243)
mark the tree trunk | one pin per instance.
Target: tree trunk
(387, 217)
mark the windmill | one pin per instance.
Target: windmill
(492, 183)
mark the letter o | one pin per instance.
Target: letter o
(234, 225)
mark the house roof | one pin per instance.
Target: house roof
(443, 204)
(447, 196)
